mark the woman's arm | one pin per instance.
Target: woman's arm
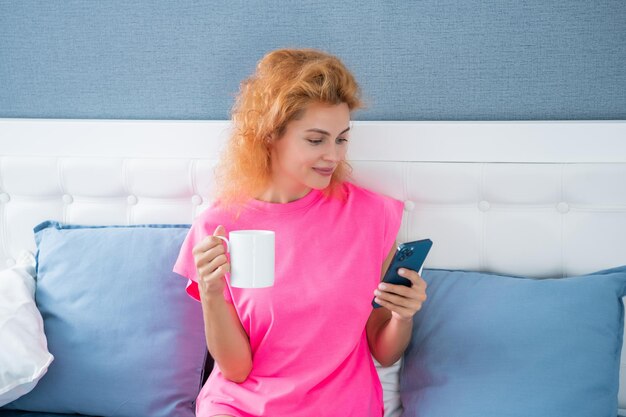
(226, 338)
(389, 328)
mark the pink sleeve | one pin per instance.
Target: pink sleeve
(185, 264)
(392, 210)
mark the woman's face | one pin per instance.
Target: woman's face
(309, 151)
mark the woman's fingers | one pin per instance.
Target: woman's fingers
(412, 276)
(211, 267)
(402, 300)
(206, 244)
(402, 312)
(413, 299)
(206, 257)
(211, 261)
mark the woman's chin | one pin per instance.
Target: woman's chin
(320, 185)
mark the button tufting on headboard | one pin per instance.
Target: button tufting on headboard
(541, 199)
(484, 206)
(562, 207)
(196, 200)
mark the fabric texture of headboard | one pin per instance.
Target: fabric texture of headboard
(541, 199)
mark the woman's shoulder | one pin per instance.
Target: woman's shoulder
(359, 192)
(217, 213)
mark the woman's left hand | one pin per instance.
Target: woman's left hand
(403, 302)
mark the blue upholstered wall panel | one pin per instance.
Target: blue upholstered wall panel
(416, 60)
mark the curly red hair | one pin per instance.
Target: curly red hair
(285, 82)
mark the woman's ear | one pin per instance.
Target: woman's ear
(269, 145)
(270, 140)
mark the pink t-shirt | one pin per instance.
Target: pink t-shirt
(307, 332)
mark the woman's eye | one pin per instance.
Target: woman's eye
(319, 141)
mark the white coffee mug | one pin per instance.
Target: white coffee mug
(251, 258)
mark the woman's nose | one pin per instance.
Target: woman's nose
(332, 153)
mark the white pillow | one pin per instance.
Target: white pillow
(24, 356)
(390, 380)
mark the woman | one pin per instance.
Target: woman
(304, 346)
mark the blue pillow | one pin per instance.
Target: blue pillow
(492, 345)
(127, 339)
(18, 413)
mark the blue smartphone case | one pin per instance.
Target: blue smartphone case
(410, 255)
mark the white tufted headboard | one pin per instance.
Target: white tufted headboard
(535, 198)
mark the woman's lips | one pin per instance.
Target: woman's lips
(325, 172)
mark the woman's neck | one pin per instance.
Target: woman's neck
(281, 196)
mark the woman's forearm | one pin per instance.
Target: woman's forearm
(226, 339)
(391, 341)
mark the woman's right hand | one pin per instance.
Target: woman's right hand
(211, 263)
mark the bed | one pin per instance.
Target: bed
(537, 201)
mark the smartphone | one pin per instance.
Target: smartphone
(409, 255)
